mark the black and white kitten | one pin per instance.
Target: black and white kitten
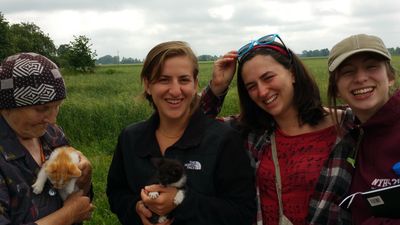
(169, 173)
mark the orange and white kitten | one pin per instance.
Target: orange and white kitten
(62, 171)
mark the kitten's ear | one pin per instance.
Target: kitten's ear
(74, 171)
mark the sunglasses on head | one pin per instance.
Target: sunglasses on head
(266, 41)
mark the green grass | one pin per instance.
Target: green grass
(318, 67)
(100, 105)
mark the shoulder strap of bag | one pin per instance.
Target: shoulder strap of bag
(278, 183)
(282, 218)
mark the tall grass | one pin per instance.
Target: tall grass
(100, 105)
(318, 67)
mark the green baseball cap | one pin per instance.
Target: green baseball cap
(355, 44)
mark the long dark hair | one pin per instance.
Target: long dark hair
(306, 100)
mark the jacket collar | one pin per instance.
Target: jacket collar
(10, 147)
(191, 137)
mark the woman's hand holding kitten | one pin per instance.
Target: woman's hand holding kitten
(84, 182)
(144, 214)
(164, 203)
(67, 169)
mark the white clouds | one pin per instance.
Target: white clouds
(210, 26)
(333, 7)
(224, 12)
(289, 11)
(156, 29)
(65, 23)
(113, 27)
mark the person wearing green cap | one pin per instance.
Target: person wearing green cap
(362, 76)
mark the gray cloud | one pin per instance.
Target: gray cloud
(131, 28)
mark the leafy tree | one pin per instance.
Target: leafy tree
(207, 58)
(79, 54)
(130, 60)
(27, 37)
(63, 52)
(107, 59)
(324, 52)
(63, 49)
(5, 44)
(394, 51)
(315, 53)
(114, 60)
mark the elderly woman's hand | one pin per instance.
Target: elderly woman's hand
(76, 209)
(84, 182)
(79, 207)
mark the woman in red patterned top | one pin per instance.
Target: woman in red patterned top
(277, 96)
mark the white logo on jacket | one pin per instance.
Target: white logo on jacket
(193, 165)
(384, 182)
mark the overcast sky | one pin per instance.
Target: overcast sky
(130, 28)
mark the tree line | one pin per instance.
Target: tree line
(28, 37)
(108, 59)
(325, 52)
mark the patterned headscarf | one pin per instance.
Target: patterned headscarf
(29, 79)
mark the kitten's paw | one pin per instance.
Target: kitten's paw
(180, 195)
(162, 219)
(37, 188)
(153, 194)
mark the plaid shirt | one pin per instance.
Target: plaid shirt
(333, 184)
(336, 177)
(336, 174)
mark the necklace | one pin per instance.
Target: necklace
(42, 156)
(35, 149)
(160, 131)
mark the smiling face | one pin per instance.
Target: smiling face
(363, 83)
(32, 121)
(173, 91)
(270, 86)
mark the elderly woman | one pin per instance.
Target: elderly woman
(31, 93)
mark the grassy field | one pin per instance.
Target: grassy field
(99, 105)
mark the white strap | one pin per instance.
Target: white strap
(278, 183)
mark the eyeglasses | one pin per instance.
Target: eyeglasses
(267, 40)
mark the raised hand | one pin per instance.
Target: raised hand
(223, 72)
